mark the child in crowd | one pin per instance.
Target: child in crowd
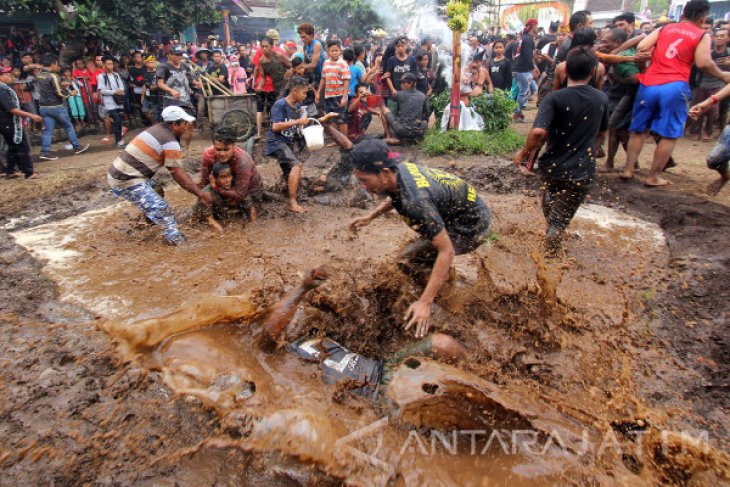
(335, 84)
(308, 104)
(423, 79)
(286, 118)
(500, 67)
(222, 209)
(237, 77)
(75, 102)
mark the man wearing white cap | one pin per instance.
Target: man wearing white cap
(130, 175)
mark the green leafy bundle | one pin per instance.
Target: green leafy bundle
(471, 142)
(495, 108)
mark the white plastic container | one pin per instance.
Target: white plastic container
(314, 136)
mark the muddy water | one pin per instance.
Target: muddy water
(545, 338)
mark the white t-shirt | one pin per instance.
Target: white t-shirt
(108, 84)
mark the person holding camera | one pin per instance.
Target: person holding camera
(111, 88)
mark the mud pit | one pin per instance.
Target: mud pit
(547, 342)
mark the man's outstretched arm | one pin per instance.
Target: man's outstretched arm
(283, 311)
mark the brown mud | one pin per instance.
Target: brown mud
(625, 333)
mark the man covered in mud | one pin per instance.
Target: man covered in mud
(571, 120)
(367, 377)
(130, 175)
(223, 208)
(246, 183)
(447, 212)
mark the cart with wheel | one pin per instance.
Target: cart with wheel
(226, 109)
(235, 111)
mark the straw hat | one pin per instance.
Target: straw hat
(273, 34)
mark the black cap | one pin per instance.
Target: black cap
(177, 49)
(373, 155)
(408, 78)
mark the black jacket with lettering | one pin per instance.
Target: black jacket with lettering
(50, 90)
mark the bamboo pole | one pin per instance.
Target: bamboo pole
(455, 111)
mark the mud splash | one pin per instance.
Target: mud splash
(275, 402)
(546, 342)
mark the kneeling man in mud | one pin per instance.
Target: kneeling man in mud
(131, 173)
(448, 214)
(235, 183)
(368, 377)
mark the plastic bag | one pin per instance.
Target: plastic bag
(469, 119)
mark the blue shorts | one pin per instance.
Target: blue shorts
(662, 109)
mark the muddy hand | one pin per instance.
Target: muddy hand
(419, 314)
(314, 278)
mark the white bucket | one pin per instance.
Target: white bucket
(314, 136)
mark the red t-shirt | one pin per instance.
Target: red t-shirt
(354, 125)
(94, 81)
(84, 73)
(673, 55)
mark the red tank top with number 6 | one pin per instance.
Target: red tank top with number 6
(673, 54)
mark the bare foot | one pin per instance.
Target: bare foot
(35, 175)
(653, 182)
(392, 141)
(627, 175)
(604, 168)
(706, 138)
(295, 208)
(714, 187)
(332, 144)
(694, 137)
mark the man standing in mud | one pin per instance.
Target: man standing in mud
(448, 214)
(130, 175)
(570, 119)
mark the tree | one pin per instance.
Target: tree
(119, 23)
(354, 18)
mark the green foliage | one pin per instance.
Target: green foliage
(471, 142)
(119, 23)
(354, 18)
(496, 108)
(658, 7)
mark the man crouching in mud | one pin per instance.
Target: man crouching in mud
(130, 175)
(339, 365)
(447, 212)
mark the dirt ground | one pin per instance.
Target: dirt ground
(628, 328)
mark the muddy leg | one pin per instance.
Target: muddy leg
(717, 160)
(612, 149)
(293, 180)
(662, 153)
(636, 142)
(155, 209)
(384, 120)
(446, 348)
(564, 198)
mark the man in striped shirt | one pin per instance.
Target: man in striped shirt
(131, 173)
